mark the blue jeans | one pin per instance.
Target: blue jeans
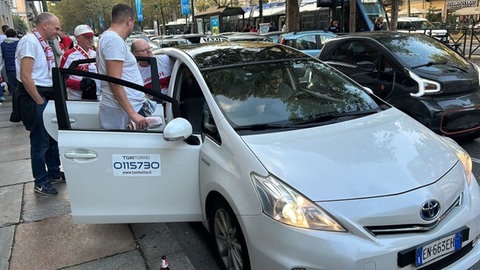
(11, 81)
(43, 150)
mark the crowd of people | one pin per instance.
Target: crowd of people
(28, 64)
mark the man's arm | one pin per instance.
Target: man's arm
(26, 68)
(115, 69)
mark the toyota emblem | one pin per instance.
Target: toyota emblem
(430, 210)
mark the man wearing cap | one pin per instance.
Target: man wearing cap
(82, 50)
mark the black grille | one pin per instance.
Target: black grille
(461, 120)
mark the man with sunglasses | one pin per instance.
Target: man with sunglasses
(140, 47)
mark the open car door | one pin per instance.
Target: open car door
(122, 176)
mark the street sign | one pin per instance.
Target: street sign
(138, 6)
(185, 7)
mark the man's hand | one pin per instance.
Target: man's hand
(141, 122)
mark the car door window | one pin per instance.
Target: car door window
(306, 42)
(191, 99)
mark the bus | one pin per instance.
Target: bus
(316, 14)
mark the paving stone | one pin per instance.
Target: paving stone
(56, 243)
(156, 240)
(6, 241)
(37, 207)
(125, 261)
(11, 204)
(15, 172)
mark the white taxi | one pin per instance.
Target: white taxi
(288, 164)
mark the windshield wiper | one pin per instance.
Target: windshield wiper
(445, 63)
(256, 127)
(430, 63)
(337, 117)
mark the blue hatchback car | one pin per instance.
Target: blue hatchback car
(310, 42)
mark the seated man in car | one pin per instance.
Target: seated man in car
(140, 47)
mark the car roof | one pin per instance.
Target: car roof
(376, 34)
(298, 33)
(219, 54)
(410, 19)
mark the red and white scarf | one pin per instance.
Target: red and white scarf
(82, 51)
(83, 67)
(46, 48)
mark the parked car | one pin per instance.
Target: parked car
(135, 36)
(273, 35)
(419, 25)
(287, 162)
(310, 42)
(149, 32)
(417, 74)
(171, 42)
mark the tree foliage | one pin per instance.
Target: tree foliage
(73, 12)
(19, 24)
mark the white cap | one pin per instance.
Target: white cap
(83, 29)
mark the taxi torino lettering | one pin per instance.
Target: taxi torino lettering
(134, 165)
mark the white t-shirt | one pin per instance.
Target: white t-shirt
(164, 66)
(112, 47)
(29, 46)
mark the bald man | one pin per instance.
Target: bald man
(140, 47)
(34, 60)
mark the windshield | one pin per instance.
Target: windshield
(422, 25)
(419, 50)
(286, 94)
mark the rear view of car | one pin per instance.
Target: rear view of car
(310, 42)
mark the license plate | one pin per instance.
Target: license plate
(438, 248)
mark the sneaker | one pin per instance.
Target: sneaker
(59, 178)
(2, 99)
(45, 189)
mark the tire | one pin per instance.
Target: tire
(227, 238)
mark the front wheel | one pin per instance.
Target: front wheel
(228, 238)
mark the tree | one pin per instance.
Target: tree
(19, 24)
(293, 15)
(394, 11)
(73, 12)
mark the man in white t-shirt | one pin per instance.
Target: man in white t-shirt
(34, 60)
(140, 47)
(82, 50)
(118, 104)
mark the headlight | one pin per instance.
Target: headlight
(425, 86)
(463, 156)
(285, 205)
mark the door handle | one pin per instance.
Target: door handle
(80, 154)
(71, 120)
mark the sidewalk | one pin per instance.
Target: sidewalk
(36, 232)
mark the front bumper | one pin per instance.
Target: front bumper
(273, 245)
(450, 115)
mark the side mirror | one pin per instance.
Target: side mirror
(178, 129)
